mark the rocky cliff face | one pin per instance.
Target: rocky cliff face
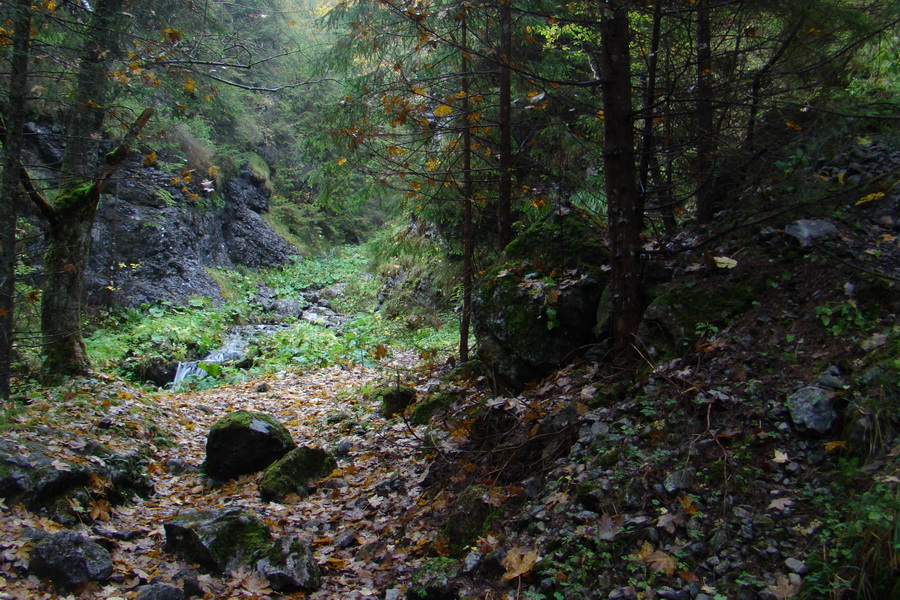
(150, 242)
(150, 246)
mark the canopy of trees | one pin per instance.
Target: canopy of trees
(476, 117)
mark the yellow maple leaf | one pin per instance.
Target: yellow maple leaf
(657, 560)
(149, 159)
(443, 110)
(519, 561)
(189, 86)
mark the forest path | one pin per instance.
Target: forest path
(365, 521)
(361, 520)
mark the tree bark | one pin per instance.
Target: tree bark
(504, 207)
(706, 142)
(12, 148)
(623, 198)
(71, 216)
(467, 193)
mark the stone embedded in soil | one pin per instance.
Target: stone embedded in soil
(290, 565)
(69, 560)
(807, 231)
(220, 540)
(811, 409)
(245, 442)
(159, 591)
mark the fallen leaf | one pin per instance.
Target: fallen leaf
(779, 504)
(519, 561)
(607, 528)
(780, 457)
(837, 444)
(657, 560)
(723, 262)
(669, 521)
(785, 588)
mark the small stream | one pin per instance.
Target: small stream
(232, 350)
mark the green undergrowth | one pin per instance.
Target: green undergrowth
(135, 342)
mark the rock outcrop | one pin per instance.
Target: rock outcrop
(245, 442)
(149, 244)
(157, 230)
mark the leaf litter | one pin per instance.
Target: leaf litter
(364, 536)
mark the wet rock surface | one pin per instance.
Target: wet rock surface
(69, 560)
(245, 442)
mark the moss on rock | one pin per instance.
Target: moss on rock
(469, 518)
(672, 318)
(394, 398)
(292, 473)
(434, 580)
(219, 540)
(245, 442)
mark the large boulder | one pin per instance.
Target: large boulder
(245, 442)
(539, 308)
(220, 540)
(290, 565)
(293, 472)
(671, 320)
(69, 560)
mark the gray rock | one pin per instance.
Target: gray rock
(220, 539)
(807, 231)
(679, 480)
(831, 379)
(287, 308)
(796, 566)
(31, 473)
(158, 591)
(245, 442)
(811, 409)
(293, 473)
(69, 560)
(290, 565)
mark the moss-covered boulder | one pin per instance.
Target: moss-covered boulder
(220, 540)
(468, 519)
(426, 408)
(394, 399)
(293, 472)
(245, 442)
(670, 321)
(290, 565)
(539, 308)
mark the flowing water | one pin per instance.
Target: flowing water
(232, 350)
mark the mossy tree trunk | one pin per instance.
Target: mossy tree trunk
(9, 183)
(71, 217)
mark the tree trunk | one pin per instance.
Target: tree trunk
(504, 207)
(71, 217)
(9, 184)
(706, 143)
(623, 198)
(467, 193)
(71, 214)
(92, 94)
